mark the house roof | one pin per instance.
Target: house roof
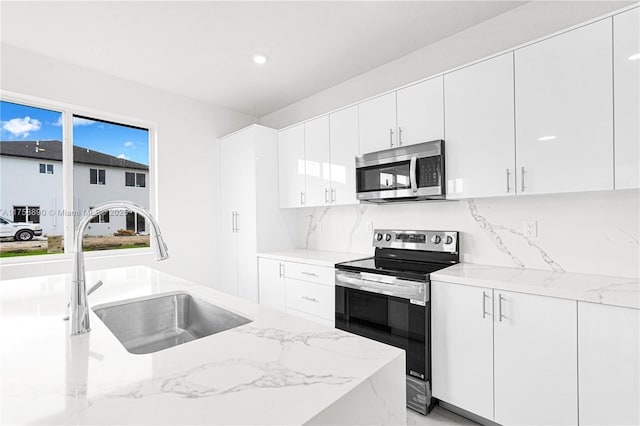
(52, 150)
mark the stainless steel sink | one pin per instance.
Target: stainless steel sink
(162, 322)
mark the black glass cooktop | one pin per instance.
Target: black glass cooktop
(397, 268)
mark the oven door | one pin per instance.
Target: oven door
(389, 310)
(401, 173)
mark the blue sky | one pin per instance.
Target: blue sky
(21, 122)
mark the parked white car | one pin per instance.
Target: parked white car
(21, 231)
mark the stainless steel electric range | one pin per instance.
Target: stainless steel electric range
(387, 298)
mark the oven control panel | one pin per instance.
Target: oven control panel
(443, 241)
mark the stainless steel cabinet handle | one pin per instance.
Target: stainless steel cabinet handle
(311, 274)
(484, 305)
(310, 299)
(280, 270)
(500, 299)
(233, 221)
(399, 136)
(391, 137)
(508, 175)
(301, 198)
(326, 196)
(333, 195)
(237, 217)
(522, 180)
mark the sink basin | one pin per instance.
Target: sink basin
(165, 321)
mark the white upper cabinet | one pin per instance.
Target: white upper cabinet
(291, 166)
(535, 360)
(377, 119)
(317, 159)
(479, 128)
(344, 148)
(564, 112)
(626, 71)
(420, 112)
(609, 366)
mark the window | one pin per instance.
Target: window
(46, 168)
(135, 179)
(122, 151)
(26, 214)
(101, 218)
(97, 176)
(30, 143)
(136, 223)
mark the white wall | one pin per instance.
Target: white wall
(187, 155)
(595, 233)
(87, 195)
(525, 23)
(22, 184)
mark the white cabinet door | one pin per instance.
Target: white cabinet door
(271, 279)
(344, 148)
(291, 166)
(420, 112)
(317, 170)
(535, 360)
(609, 364)
(231, 164)
(626, 80)
(377, 118)
(564, 112)
(480, 144)
(462, 346)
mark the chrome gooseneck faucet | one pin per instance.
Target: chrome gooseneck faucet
(79, 309)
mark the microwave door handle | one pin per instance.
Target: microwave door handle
(412, 174)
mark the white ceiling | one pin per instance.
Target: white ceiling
(204, 49)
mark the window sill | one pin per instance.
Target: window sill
(52, 258)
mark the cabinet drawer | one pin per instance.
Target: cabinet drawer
(310, 298)
(312, 273)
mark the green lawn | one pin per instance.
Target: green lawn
(25, 253)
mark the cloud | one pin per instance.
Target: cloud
(122, 156)
(58, 122)
(21, 126)
(129, 144)
(79, 121)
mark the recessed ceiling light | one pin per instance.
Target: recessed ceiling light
(259, 59)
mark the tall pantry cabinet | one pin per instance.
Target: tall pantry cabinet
(250, 218)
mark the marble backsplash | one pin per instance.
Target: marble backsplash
(596, 233)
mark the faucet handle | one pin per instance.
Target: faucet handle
(93, 288)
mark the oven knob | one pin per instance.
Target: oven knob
(387, 237)
(448, 239)
(436, 239)
(379, 236)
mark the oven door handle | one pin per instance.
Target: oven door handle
(412, 174)
(398, 287)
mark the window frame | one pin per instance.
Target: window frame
(68, 111)
(47, 167)
(102, 182)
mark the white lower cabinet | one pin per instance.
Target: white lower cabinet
(535, 362)
(609, 364)
(462, 341)
(271, 283)
(300, 289)
(508, 357)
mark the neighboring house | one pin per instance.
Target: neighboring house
(31, 186)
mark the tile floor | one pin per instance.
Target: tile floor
(438, 417)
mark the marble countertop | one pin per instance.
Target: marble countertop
(313, 257)
(616, 291)
(277, 369)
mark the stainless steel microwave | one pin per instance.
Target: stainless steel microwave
(407, 173)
